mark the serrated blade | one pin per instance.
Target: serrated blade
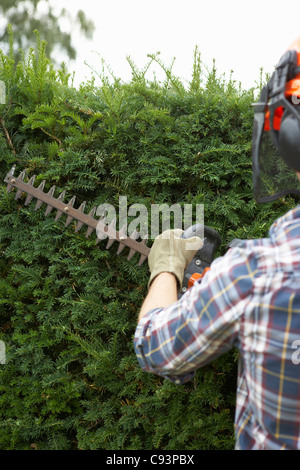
(102, 230)
(69, 217)
(132, 251)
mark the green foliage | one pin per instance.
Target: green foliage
(68, 307)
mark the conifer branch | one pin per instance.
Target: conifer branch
(52, 136)
(7, 135)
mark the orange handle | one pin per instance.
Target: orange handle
(194, 277)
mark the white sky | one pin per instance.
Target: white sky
(241, 36)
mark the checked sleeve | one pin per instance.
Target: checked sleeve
(175, 341)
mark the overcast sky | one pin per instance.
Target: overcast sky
(241, 36)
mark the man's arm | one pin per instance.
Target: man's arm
(175, 340)
(169, 256)
(162, 293)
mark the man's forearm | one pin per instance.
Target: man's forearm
(162, 293)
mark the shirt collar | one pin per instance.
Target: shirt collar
(286, 227)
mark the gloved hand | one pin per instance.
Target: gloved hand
(171, 253)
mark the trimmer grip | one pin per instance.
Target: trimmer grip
(203, 258)
(196, 230)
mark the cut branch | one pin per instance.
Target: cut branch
(7, 136)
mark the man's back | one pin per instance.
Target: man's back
(268, 402)
(250, 298)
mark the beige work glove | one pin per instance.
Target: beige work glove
(171, 253)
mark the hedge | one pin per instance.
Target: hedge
(69, 306)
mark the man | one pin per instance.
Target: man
(250, 297)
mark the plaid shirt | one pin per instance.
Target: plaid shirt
(250, 299)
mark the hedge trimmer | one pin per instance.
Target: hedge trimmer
(194, 271)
